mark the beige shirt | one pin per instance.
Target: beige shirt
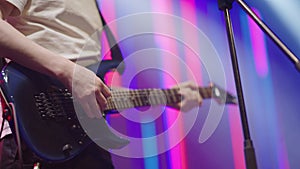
(67, 27)
(70, 28)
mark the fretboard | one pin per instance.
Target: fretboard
(124, 99)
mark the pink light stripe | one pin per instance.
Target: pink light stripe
(162, 6)
(188, 13)
(236, 138)
(108, 10)
(283, 156)
(259, 48)
(177, 153)
(182, 149)
(176, 162)
(109, 13)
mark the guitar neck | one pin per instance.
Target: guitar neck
(123, 99)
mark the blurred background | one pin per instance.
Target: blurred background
(270, 81)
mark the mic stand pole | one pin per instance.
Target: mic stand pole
(249, 151)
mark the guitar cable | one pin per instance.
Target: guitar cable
(9, 114)
(6, 110)
(2, 124)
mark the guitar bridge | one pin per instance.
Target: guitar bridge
(55, 104)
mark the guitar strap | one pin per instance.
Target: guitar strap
(117, 58)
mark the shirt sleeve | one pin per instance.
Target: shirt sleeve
(19, 6)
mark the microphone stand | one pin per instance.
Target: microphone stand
(249, 151)
(226, 5)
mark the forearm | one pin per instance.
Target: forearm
(17, 47)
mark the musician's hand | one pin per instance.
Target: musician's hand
(191, 96)
(89, 91)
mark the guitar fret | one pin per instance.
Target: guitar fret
(146, 97)
(206, 92)
(137, 96)
(173, 96)
(127, 101)
(123, 98)
(160, 97)
(120, 100)
(151, 96)
(155, 97)
(167, 96)
(131, 98)
(115, 99)
(110, 104)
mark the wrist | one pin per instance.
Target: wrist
(64, 72)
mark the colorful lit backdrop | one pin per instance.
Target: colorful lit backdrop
(270, 83)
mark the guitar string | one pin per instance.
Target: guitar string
(138, 97)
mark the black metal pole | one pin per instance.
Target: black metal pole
(250, 158)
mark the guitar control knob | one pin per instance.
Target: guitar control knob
(74, 126)
(44, 116)
(67, 149)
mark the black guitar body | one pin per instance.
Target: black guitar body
(49, 126)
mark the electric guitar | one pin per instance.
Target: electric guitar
(49, 121)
